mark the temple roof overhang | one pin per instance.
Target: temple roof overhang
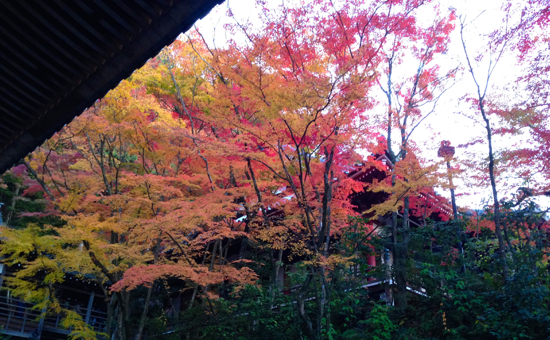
(58, 57)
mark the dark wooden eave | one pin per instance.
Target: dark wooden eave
(57, 57)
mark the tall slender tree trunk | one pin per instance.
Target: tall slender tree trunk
(481, 98)
(300, 303)
(144, 314)
(498, 227)
(126, 314)
(399, 252)
(400, 260)
(110, 314)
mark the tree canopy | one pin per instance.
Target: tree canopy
(268, 184)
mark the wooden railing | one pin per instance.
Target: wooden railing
(18, 318)
(21, 320)
(98, 321)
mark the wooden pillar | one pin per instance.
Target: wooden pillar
(90, 304)
(371, 261)
(2, 273)
(41, 324)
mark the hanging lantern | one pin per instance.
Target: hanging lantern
(446, 150)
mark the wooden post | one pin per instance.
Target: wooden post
(89, 310)
(25, 314)
(371, 261)
(10, 310)
(447, 151)
(41, 323)
(2, 273)
(453, 200)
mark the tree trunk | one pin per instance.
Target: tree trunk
(12, 207)
(481, 97)
(144, 314)
(400, 260)
(110, 314)
(300, 303)
(498, 229)
(277, 268)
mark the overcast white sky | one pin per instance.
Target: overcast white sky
(482, 17)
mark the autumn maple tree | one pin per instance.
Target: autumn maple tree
(411, 96)
(214, 168)
(129, 181)
(261, 133)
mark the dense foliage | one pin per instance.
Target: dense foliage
(213, 194)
